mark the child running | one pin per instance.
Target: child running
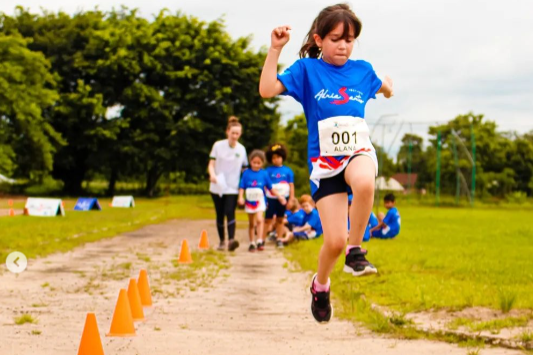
(282, 178)
(333, 91)
(252, 185)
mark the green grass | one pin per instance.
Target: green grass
(491, 325)
(205, 267)
(40, 236)
(25, 318)
(444, 258)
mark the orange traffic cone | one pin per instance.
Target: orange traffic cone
(90, 343)
(144, 289)
(185, 254)
(204, 242)
(11, 212)
(122, 323)
(135, 301)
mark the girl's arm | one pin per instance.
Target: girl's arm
(306, 228)
(269, 85)
(291, 193)
(386, 87)
(281, 199)
(240, 201)
(211, 170)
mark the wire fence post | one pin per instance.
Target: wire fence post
(437, 179)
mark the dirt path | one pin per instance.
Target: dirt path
(258, 308)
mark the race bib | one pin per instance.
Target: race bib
(254, 194)
(282, 189)
(343, 135)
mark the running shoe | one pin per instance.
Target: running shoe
(252, 248)
(356, 263)
(222, 246)
(320, 305)
(233, 244)
(279, 244)
(261, 246)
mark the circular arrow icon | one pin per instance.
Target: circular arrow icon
(16, 262)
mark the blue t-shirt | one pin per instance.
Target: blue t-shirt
(255, 179)
(325, 91)
(313, 219)
(296, 218)
(281, 177)
(392, 220)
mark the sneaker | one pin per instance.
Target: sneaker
(222, 246)
(279, 244)
(233, 244)
(272, 237)
(260, 246)
(252, 248)
(320, 305)
(356, 263)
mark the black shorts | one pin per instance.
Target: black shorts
(274, 208)
(331, 186)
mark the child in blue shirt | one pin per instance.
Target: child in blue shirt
(309, 226)
(333, 90)
(253, 183)
(282, 178)
(389, 225)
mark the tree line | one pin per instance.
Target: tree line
(114, 96)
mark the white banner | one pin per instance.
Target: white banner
(123, 201)
(44, 207)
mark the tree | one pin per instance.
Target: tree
(28, 140)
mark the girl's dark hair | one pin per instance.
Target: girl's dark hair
(277, 149)
(257, 153)
(233, 121)
(325, 22)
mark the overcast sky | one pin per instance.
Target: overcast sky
(446, 57)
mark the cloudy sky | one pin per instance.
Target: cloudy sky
(446, 57)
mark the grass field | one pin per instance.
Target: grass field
(40, 236)
(444, 258)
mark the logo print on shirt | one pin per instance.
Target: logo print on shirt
(346, 98)
(254, 183)
(342, 97)
(278, 176)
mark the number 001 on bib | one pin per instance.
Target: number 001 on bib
(343, 135)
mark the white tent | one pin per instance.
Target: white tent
(389, 185)
(6, 179)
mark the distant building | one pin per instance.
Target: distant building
(403, 179)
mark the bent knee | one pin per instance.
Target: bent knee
(336, 245)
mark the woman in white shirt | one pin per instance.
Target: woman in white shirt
(227, 159)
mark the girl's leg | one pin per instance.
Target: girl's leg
(280, 227)
(219, 208)
(260, 225)
(334, 223)
(360, 175)
(267, 228)
(251, 226)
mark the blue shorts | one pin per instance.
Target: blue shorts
(275, 208)
(381, 235)
(305, 235)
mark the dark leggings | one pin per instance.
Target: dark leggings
(225, 207)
